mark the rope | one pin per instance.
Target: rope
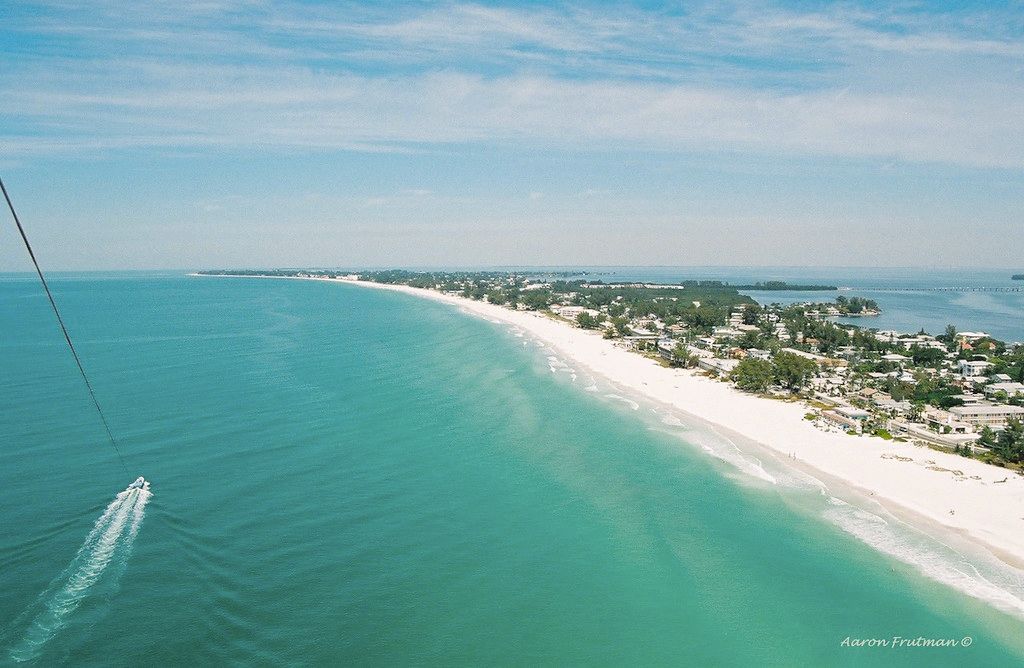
(60, 321)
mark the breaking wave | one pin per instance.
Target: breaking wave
(987, 579)
(629, 402)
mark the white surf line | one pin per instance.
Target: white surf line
(110, 540)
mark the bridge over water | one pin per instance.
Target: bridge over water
(962, 288)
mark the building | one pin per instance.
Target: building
(987, 415)
(847, 417)
(571, 312)
(1010, 388)
(717, 366)
(970, 399)
(818, 359)
(974, 368)
(946, 421)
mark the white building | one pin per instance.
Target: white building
(572, 312)
(1011, 389)
(718, 366)
(973, 368)
(987, 415)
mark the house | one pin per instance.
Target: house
(867, 393)
(853, 413)
(907, 377)
(881, 397)
(725, 333)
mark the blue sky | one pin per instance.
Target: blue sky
(224, 133)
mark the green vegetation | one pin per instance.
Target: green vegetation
(856, 305)
(753, 375)
(587, 321)
(682, 357)
(1008, 444)
(793, 371)
(787, 370)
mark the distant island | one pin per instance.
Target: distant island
(782, 285)
(1018, 277)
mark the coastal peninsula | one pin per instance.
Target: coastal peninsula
(949, 488)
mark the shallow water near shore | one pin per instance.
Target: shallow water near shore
(345, 475)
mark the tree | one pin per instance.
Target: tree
(932, 357)
(949, 337)
(1010, 443)
(621, 325)
(682, 357)
(536, 299)
(753, 375)
(751, 314)
(587, 321)
(751, 339)
(793, 371)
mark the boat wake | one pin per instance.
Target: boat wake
(109, 543)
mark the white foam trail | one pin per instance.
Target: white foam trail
(109, 541)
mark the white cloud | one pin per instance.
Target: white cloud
(764, 80)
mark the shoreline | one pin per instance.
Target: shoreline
(926, 488)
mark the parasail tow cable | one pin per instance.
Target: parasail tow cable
(63, 328)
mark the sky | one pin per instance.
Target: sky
(238, 133)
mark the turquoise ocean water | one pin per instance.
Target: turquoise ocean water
(346, 476)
